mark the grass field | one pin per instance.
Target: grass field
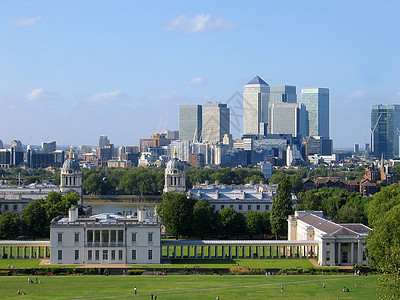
(190, 287)
(234, 263)
(27, 264)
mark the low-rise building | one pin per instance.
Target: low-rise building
(338, 244)
(105, 238)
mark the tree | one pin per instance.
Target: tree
(351, 213)
(34, 219)
(176, 212)
(10, 225)
(94, 184)
(281, 208)
(383, 249)
(232, 222)
(382, 202)
(266, 223)
(57, 204)
(203, 215)
(254, 223)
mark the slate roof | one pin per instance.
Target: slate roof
(331, 228)
(257, 80)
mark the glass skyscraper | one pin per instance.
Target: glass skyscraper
(280, 94)
(190, 122)
(385, 130)
(316, 101)
(255, 106)
(215, 122)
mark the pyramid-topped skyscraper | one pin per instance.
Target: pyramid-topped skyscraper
(255, 107)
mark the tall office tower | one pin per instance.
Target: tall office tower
(255, 106)
(49, 146)
(316, 101)
(190, 125)
(288, 118)
(385, 130)
(1, 144)
(280, 94)
(104, 141)
(215, 122)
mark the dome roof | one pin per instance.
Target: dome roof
(174, 164)
(70, 164)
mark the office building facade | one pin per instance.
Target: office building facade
(316, 102)
(255, 107)
(215, 122)
(190, 122)
(385, 130)
(288, 118)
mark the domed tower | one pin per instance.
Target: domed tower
(71, 176)
(175, 179)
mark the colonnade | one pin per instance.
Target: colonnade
(241, 249)
(24, 250)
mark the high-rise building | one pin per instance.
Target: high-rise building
(288, 118)
(255, 107)
(190, 122)
(316, 101)
(280, 94)
(49, 146)
(104, 141)
(215, 122)
(385, 129)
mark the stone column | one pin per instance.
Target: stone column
(230, 251)
(202, 251)
(174, 252)
(339, 253)
(223, 251)
(359, 252)
(333, 258)
(181, 251)
(195, 251)
(209, 251)
(352, 253)
(167, 251)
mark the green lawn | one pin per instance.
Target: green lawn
(190, 287)
(235, 263)
(27, 264)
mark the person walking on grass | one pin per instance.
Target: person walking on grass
(324, 285)
(281, 287)
(135, 290)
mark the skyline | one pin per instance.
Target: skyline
(72, 64)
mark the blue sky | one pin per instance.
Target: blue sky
(71, 71)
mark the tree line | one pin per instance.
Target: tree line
(149, 181)
(35, 218)
(186, 216)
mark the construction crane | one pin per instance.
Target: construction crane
(157, 135)
(308, 138)
(372, 133)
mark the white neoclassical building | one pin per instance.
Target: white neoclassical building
(338, 244)
(175, 177)
(105, 238)
(71, 176)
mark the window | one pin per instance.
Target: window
(150, 255)
(59, 254)
(258, 207)
(112, 254)
(76, 237)
(134, 237)
(113, 236)
(328, 255)
(59, 237)
(120, 236)
(240, 207)
(328, 244)
(133, 254)
(267, 207)
(15, 207)
(105, 254)
(90, 255)
(120, 254)
(248, 207)
(76, 254)
(150, 237)
(90, 236)
(222, 206)
(5, 207)
(97, 255)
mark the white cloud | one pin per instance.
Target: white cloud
(25, 22)
(358, 95)
(109, 96)
(41, 94)
(197, 81)
(197, 23)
